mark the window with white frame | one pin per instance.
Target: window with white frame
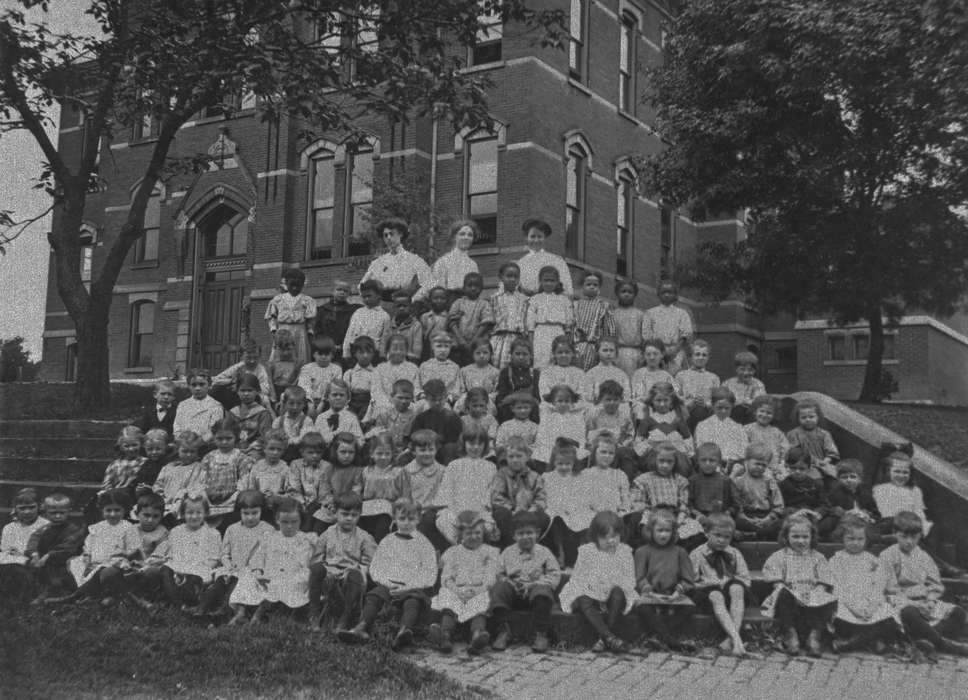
(88, 239)
(146, 247)
(627, 61)
(576, 175)
(490, 33)
(624, 215)
(142, 334)
(322, 205)
(359, 166)
(480, 183)
(577, 39)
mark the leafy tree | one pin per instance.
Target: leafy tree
(15, 362)
(842, 125)
(169, 59)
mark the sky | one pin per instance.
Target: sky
(23, 270)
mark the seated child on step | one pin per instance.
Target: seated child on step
(293, 421)
(723, 430)
(663, 489)
(518, 376)
(710, 490)
(395, 419)
(384, 483)
(224, 467)
(757, 497)
(762, 430)
(123, 472)
(520, 424)
(801, 493)
(305, 475)
(199, 412)
(477, 415)
(342, 474)
(268, 475)
(602, 485)
(696, 382)
(566, 507)
(818, 443)
(850, 496)
(561, 421)
(664, 422)
(180, 477)
(466, 486)
(898, 493)
(612, 413)
(745, 386)
(517, 489)
(252, 419)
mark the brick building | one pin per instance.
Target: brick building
(567, 124)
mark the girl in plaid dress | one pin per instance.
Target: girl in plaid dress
(224, 467)
(508, 306)
(593, 320)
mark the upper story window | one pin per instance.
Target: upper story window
(225, 232)
(88, 239)
(487, 45)
(359, 166)
(480, 183)
(577, 39)
(625, 213)
(349, 37)
(576, 176)
(142, 336)
(627, 62)
(666, 238)
(146, 247)
(146, 127)
(836, 348)
(322, 205)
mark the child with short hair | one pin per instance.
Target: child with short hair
(161, 414)
(396, 419)
(199, 412)
(914, 588)
(710, 490)
(268, 475)
(342, 474)
(801, 598)
(305, 475)
(562, 370)
(370, 320)
(283, 366)
(629, 328)
(436, 318)
(763, 408)
(14, 539)
(426, 474)
(561, 421)
(108, 548)
(604, 577)
(723, 581)
(362, 376)
(192, 553)
(611, 413)
(294, 312)
(722, 429)
(388, 373)
(509, 307)
(664, 422)
(442, 368)
(293, 421)
(757, 497)
(899, 493)
(566, 505)
(237, 556)
(593, 320)
(123, 472)
(745, 386)
(517, 376)
(528, 577)
(49, 548)
(671, 324)
(144, 577)
(663, 579)
(864, 616)
(252, 419)
(333, 317)
(818, 443)
(799, 491)
(440, 418)
(664, 489)
(647, 376)
(337, 570)
(517, 489)
(470, 318)
(522, 404)
(466, 486)
(549, 314)
(226, 383)
(469, 569)
(157, 456)
(224, 467)
(183, 476)
(338, 418)
(605, 370)
(850, 496)
(696, 382)
(404, 568)
(403, 323)
(383, 484)
(480, 374)
(476, 403)
(315, 377)
(602, 485)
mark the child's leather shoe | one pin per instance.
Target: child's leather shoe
(403, 639)
(479, 642)
(791, 642)
(616, 644)
(813, 643)
(357, 635)
(440, 638)
(500, 642)
(540, 644)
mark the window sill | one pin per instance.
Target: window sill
(578, 85)
(139, 370)
(144, 265)
(484, 67)
(855, 363)
(335, 262)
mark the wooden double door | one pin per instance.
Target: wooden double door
(219, 322)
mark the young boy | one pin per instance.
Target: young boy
(517, 489)
(404, 568)
(145, 577)
(799, 491)
(529, 577)
(199, 412)
(361, 378)
(436, 318)
(371, 319)
(440, 418)
(759, 503)
(723, 430)
(340, 560)
(914, 588)
(396, 419)
(470, 318)
(709, 488)
(162, 413)
(745, 386)
(522, 403)
(314, 378)
(425, 474)
(670, 324)
(605, 370)
(762, 430)
(304, 475)
(722, 580)
(50, 546)
(337, 418)
(440, 367)
(403, 323)
(696, 383)
(333, 318)
(850, 494)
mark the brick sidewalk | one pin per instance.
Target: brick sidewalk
(518, 673)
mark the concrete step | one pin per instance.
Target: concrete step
(80, 493)
(60, 428)
(57, 446)
(52, 469)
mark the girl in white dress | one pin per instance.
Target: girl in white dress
(562, 421)
(560, 371)
(566, 506)
(602, 485)
(549, 315)
(192, 553)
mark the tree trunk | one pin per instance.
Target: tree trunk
(92, 389)
(872, 390)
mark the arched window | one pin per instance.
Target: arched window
(576, 176)
(224, 232)
(142, 337)
(624, 218)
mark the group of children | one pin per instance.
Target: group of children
(501, 446)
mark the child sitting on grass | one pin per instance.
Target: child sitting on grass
(144, 577)
(51, 546)
(468, 571)
(404, 569)
(529, 576)
(191, 554)
(16, 535)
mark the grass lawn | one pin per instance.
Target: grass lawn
(942, 430)
(55, 401)
(88, 652)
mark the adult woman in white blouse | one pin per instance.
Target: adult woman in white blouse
(535, 232)
(398, 268)
(451, 267)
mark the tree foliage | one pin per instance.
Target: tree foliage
(323, 63)
(842, 126)
(15, 362)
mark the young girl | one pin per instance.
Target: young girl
(604, 577)
(629, 327)
(863, 614)
(283, 366)
(199, 412)
(566, 506)
(667, 490)
(224, 467)
(252, 418)
(648, 376)
(664, 576)
(468, 570)
(470, 318)
(723, 430)
(108, 549)
(315, 376)
(517, 376)
(395, 368)
(281, 567)
(292, 420)
(899, 493)
(802, 583)
(186, 474)
(762, 430)
(549, 315)
(477, 415)
(722, 580)
(304, 476)
(521, 404)
(383, 484)
(602, 486)
(664, 423)
(562, 370)
(342, 474)
(268, 475)
(562, 421)
(294, 313)
(605, 370)
(156, 457)
(467, 486)
(192, 554)
(480, 375)
(122, 473)
(611, 414)
(745, 386)
(239, 547)
(436, 318)
(508, 306)
(818, 442)
(593, 320)
(361, 377)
